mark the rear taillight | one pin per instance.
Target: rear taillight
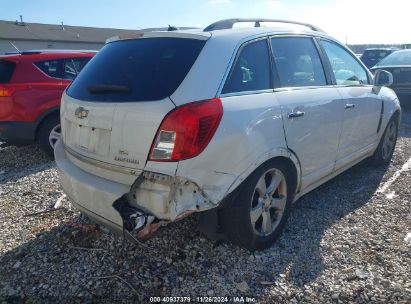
(6, 91)
(186, 131)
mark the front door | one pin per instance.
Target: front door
(362, 107)
(311, 108)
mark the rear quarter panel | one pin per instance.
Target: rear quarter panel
(250, 132)
(31, 103)
(38, 93)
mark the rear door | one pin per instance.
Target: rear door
(44, 93)
(311, 107)
(362, 107)
(113, 109)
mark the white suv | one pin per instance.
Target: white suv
(236, 123)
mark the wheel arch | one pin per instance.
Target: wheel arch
(43, 118)
(283, 154)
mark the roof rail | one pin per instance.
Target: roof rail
(228, 23)
(50, 51)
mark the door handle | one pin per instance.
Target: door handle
(296, 114)
(349, 106)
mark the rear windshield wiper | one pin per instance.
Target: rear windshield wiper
(107, 89)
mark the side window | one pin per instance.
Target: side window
(69, 70)
(297, 62)
(79, 63)
(73, 66)
(251, 71)
(53, 68)
(347, 70)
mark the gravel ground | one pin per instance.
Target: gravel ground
(344, 242)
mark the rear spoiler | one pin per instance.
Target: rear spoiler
(169, 34)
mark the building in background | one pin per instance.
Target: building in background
(37, 36)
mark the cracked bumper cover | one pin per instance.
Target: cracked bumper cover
(168, 198)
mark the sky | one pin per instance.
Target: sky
(354, 21)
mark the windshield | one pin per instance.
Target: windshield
(136, 70)
(397, 58)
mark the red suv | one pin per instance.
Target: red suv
(31, 85)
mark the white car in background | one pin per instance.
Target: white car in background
(235, 123)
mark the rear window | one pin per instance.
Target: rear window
(6, 70)
(136, 70)
(376, 54)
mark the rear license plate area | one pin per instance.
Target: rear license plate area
(89, 139)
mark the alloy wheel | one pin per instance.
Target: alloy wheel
(389, 140)
(268, 202)
(55, 135)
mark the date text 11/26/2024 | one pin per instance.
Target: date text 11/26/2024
(206, 299)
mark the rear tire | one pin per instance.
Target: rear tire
(386, 147)
(48, 135)
(257, 216)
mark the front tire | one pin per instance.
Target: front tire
(386, 147)
(48, 135)
(257, 216)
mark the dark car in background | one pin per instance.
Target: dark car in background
(399, 64)
(372, 56)
(31, 85)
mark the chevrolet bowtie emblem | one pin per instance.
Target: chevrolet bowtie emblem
(81, 112)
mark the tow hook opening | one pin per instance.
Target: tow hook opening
(135, 221)
(133, 218)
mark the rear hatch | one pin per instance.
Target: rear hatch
(112, 110)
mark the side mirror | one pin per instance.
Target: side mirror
(383, 78)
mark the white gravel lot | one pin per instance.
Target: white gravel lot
(345, 242)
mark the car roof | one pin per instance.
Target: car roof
(392, 54)
(403, 51)
(41, 55)
(249, 32)
(382, 49)
(231, 36)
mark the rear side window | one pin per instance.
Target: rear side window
(136, 70)
(6, 70)
(79, 63)
(347, 70)
(69, 70)
(251, 71)
(53, 68)
(297, 62)
(73, 66)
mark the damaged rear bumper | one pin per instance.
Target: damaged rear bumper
(91, 194)
(151, 202)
